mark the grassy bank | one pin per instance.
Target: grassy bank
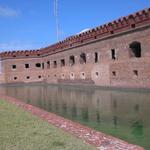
(19, 130)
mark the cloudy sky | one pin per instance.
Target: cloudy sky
(30, 24)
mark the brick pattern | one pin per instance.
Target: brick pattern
(118, 72)
(122, 24)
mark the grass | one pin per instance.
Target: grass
(19, 130)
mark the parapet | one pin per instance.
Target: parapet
(123, 24)
(19, 54)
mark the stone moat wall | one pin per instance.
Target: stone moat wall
(113, 55)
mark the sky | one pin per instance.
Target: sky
(30, 24)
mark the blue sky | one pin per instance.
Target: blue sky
(30, 24)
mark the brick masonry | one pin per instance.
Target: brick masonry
(126, 70)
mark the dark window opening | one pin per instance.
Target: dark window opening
(113, 54)
(114, 73)
(83, 74)
(38, 65)
(14, 55)
(39, 77)
(72, 74)
(133, 26)
(135, 72)
(42, 65)
(62, 62)
(112, 32)
(27, 55)
(14, 66)
(26, 65)
(136, 48)
(28, 77)
(72, 60)
(48, 65)
(83, 58)
(55, 75)
(97, 74)
(96, 57)
(55, 64)
(15, 78)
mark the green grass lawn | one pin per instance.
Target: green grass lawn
(20, 130)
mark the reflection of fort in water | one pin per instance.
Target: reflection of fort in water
(113, 107)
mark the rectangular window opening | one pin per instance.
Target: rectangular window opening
(72, 60)
(135, 72)
(113, 54)
(15, 78)
(14, 66)
(96, 57)
(62, 62)
(28, 77)
(114, 73)
(42, 65)
(48, 65)
(55, 64)
(26, 65)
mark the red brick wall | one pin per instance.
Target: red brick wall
(124, 71)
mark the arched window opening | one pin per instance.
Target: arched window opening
(136, 48)
(83, 58)
(72, 60)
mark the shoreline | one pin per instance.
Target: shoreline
(98, 139)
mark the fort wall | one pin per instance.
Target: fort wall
(114, 55)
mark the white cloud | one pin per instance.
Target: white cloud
(8, 12)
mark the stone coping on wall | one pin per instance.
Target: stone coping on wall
(128, 23)
(100, 140)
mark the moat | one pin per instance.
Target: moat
(121, 113)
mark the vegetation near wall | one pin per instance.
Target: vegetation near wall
(20, 130)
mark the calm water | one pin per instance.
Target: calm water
(124, 114)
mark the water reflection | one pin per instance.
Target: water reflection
(98, 118)
(115, 121)
(121, 113)
(74, 110)
(137, 129)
